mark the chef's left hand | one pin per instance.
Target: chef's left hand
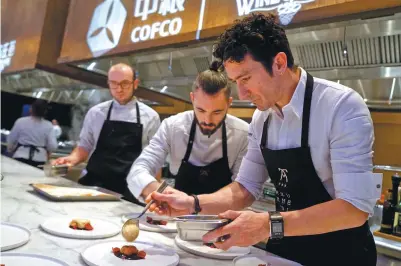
(247, 228)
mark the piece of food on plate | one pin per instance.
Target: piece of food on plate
(81, 224)
(150, 220)
(129, 252)
(210, 245)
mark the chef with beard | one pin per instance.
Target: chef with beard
(205, 146)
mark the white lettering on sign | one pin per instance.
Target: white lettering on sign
(143, 8)
(286, 9)
(162, 29)
(7, 51)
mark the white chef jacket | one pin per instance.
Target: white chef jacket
(57, 131)
(172, 139)
(32, 131)
(340, 139)
(96, 116)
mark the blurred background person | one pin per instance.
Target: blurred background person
(32, 138)
(56, 128)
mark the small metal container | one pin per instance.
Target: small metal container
(194, 227)
(55, 170)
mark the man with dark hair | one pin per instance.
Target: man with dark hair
(32, 139)
(312, 137)
(114, 133)
(215, 143)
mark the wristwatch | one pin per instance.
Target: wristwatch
(197, 208)
(276, 225)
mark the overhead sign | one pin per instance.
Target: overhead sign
(110, 17)
(286, 9)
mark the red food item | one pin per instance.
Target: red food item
(163, 222)
(115, 250)
(150, 220)
(88, 227)
(141, 254)
(210, 245)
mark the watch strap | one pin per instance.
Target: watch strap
(197, 208)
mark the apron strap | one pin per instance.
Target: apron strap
(32, 149)
(306, 110)
(264, 134)
(138, 117)
(109, 112)
(224, 133)
(190, 141)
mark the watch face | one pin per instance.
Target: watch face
(277, 227)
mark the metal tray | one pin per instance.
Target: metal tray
(193, 227)
(46, 190)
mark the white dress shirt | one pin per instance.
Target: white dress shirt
(57, 130)
(172, 139)
(32, 131)
(340, 140)
(96, 116)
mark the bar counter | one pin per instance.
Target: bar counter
(21, 205)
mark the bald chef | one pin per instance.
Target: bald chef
(205, 146)
(114, 133)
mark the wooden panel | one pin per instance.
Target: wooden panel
(22, 21)
(218, 15)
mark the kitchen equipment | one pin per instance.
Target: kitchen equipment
(13, 236)
(133, 223)
(200, 249)
(55, 170)
(75, 193)
(100, 254)
(18, 259)
(193, 227)
(59, 226)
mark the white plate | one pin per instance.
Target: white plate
(19, 259)
(13, 236)
(60, 227)
(100, 254)
(268, 259)
(198, 248)
(170, 227)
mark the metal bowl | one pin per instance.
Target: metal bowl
(194, 227)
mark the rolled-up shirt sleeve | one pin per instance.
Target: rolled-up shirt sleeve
(12, 138)
(351, 141)
(51, 142)
(150, 161)
(243, 147)
(86, 137)
(253, 173)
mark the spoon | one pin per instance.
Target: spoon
(130, 230)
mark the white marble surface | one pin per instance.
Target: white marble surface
(21, 205)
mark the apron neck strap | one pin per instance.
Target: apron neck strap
(109, 112)
(305, 116)
(192, 137)
(138, 117)
(306, 110)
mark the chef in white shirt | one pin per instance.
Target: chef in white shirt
(56, 128)
(114, 134)
(205, 146)
(312, 137)
(31, 140)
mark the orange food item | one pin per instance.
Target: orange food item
(129, 252)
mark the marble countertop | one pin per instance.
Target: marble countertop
(21, 205)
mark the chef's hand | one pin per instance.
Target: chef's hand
(68, 160)
(171, 202)
(247, 228)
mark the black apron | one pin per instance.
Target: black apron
(119, 144)
(32, 150)
(298, 187)
(193, 179)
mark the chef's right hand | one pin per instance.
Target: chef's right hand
(68, 160)
(171, 202)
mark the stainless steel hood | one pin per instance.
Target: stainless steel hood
(362, 54)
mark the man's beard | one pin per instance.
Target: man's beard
(209, 132)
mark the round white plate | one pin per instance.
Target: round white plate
(60, 227)
(198, 248)
(13, 236)
(100, 254)
(257, 259)
(18, 259)
(170, 227)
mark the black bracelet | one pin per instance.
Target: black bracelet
(197, 208)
